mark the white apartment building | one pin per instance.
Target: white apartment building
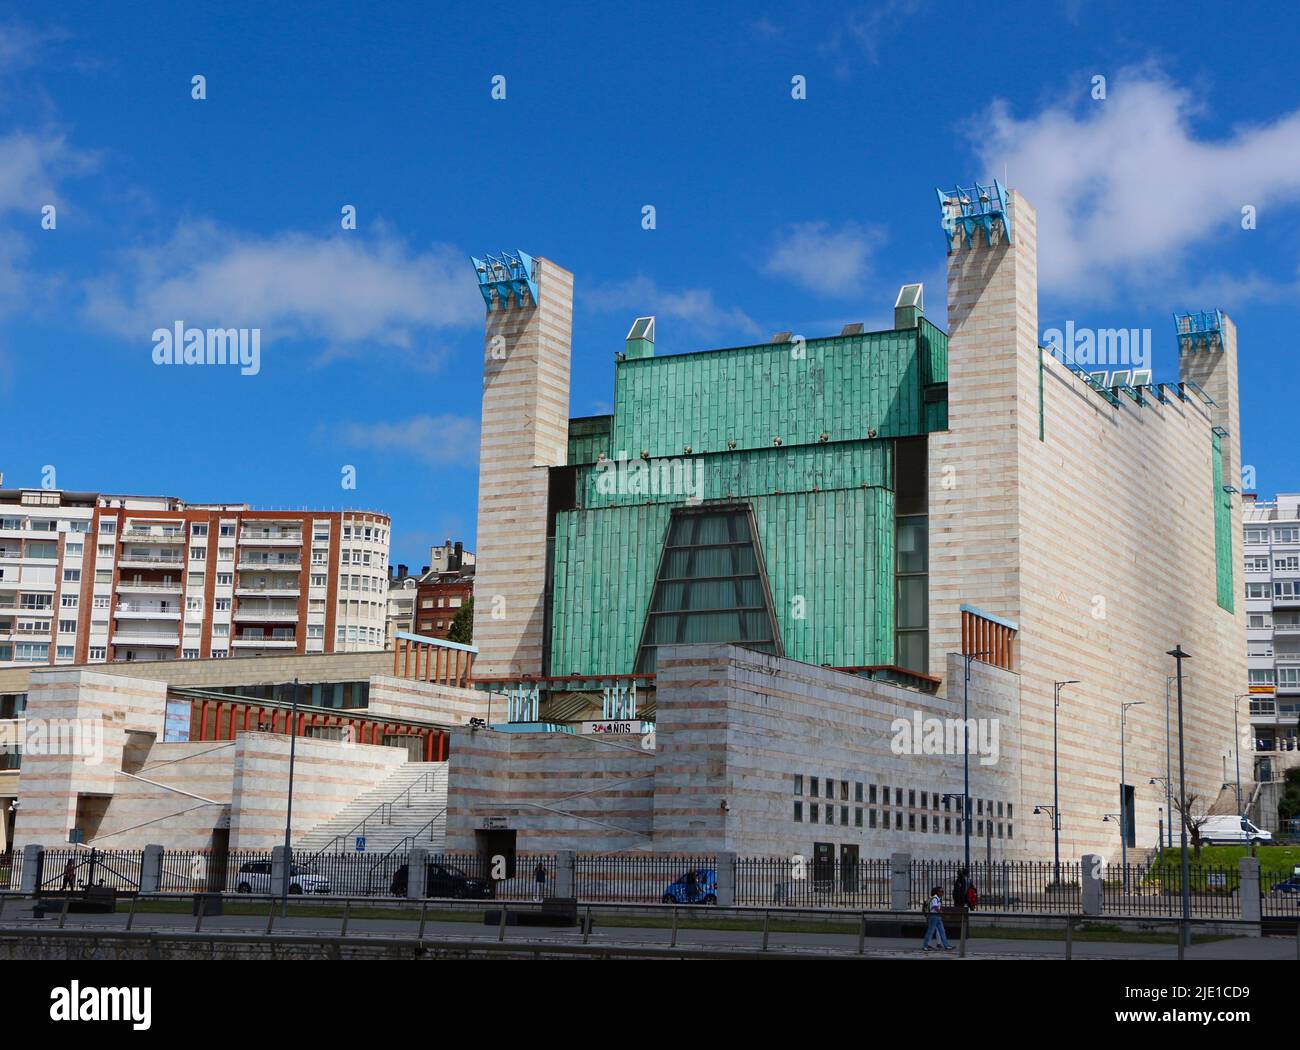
(1272, 553)
(93, 578)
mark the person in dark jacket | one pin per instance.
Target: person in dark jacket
(539, 877)
(959, 888)
(70, 875)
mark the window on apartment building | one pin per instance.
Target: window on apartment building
(798, 783)
(1257, 590)
(347, 532)
(857, 791)
(320, 531)
(1259, 648)
(898, 820)
(225, 554)
(12, 524)
(798, 812)
(74, 550)
(198, 529)
(107, 528)
(64, 652)
(814, 783)
(317, 580)
(100, 601)
(189, 654)
(315, 630)
(1286, 590)
(68, 601)
(1257, 563)
(225, 579)
(1288, 534)
(97, 652)
(844, 790)
(911, 796)
(71, 575)
(67, 626)
(224, 629)
(812, 813)
(226, 529)
(103, 575)
(830, 788)
(218, 654)
(1287, 563)
(320, 557)
(104, 550)
(1258, 621)
(29, 652)
(198, 553)
(1257, 535)
(195, 580)
(221, 604)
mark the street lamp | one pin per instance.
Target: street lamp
(288, 813)
(1125, 816)
(965, 757)
(1236, 746)
(1179, 656)
(1056, 789)
(1169, 751)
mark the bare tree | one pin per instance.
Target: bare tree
(1193, 820)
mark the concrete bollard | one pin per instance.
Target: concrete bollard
(417, 874)
(566, 866)
(900, 882)
(1248, 889)
(726, 862)
(279, 867)
(33, 858)
(151, 869)
(1090, 869)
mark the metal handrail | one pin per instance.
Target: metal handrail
(381, 808)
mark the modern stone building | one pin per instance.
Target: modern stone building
(877, 503)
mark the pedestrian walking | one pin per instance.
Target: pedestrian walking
(934, 929)
(960, 887)
(70, 875)
(539, 878)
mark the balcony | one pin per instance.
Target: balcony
(260, 563)
(243, 641)
(254, 614)
(150, 560)
(154, 535)
(270, 538)
(148, 611)
(130, 639)
(148, 587)
(269, 589)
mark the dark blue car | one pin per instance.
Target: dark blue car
(703, 889)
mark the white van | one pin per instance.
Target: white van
(1232, 830)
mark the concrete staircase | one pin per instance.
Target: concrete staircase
(400, 806)
(1226, 804)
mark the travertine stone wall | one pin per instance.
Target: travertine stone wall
(524, 431)
(408, 698)
(1098, 539)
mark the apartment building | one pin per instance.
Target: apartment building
(1272, 553)
(94, 578)
(427, 604)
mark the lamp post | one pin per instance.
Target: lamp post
(1169, 752)
(1056, 789)
(1125, 816)
(1179, 656)
(1236, 746)
(965, 756)
(288, 813)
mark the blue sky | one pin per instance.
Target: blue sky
(771, 213)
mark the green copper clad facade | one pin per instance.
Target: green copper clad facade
(823, 498)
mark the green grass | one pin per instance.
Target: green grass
(1275, 864)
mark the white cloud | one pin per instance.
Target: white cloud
(438, 439)
(1125, 188)
(822, 259)
(346, 289)
(30, 167)
(695, 306)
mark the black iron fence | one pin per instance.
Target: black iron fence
(1028, 887)
(646, 877)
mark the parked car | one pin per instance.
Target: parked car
(442, 880)
(255, 877)
(1291, 885)
(1232, 830)
(704, 889)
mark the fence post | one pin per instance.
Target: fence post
(1248, 889)
(1090, 883)
(566, 863)
(1069, 937)
(417, 871)
(33, 859)
(151, 869)
(900, 881)
(279, 867)
(726, 868)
